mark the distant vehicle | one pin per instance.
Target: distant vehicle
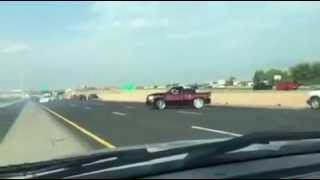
(287, 86)
(314, 99)
(93, 96)
(60, 95)
(35, 98)
(179, 96)
(262, 86)
(80, 97)
(45, 98)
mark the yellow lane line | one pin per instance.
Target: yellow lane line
(84, 131)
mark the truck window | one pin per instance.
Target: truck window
(189, 91)
(176, 90)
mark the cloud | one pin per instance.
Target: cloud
(125, 15)
(14, 49)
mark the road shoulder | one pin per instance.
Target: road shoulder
(37, 136)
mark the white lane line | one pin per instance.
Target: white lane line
(119, 113)
(216, 131)
(130, 107)
(189, 112)
(88, 108)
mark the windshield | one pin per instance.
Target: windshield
(81, 77)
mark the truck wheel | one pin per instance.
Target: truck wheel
(160, 104)
(315, 103)
(198, 103)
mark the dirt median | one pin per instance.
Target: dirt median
(270, 99)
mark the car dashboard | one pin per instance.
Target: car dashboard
(297, 167)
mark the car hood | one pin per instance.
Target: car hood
(314, 93)
(151, 148)
(185, 143)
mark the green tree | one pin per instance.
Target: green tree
(285, 76)
(230, 81)
(259, 76)
(302, 73)
(306, 73)
(315, 68)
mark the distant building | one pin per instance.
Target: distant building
(217, 84)
(250, 84)
(222, 82)
(237, 83)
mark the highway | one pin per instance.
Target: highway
(8, 115)
(125, 124)
(118, 124)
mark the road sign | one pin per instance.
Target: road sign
(129, 88)
(277, 77)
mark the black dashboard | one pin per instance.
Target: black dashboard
(299, 166)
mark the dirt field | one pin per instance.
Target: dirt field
(272, 99)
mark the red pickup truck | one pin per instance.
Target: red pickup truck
(287, 86)
(179, 96)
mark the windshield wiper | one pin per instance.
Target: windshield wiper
(196, 153)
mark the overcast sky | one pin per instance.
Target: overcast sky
(67, 44)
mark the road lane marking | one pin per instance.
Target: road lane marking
(216, 131)
(130, 107)
(81, 129)
(119, 113)
(88, 108)
(189, 112)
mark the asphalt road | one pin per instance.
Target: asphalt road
(8, 115)
(125, 124)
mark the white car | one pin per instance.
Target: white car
(45, 98)
(314, 100)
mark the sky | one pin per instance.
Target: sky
(69, 44)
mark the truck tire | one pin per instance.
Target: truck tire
(315, 103)
(160, 104)
(198, 103)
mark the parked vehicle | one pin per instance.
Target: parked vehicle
(314, 99)
(287, 86)
(262, 86)
(179, 96)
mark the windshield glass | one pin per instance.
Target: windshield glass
(78, 77)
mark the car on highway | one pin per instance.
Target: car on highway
(179, 96)
(159, 90)
(314, 99)
(80, 97)
(93, 97)
(44, 98)
(35, 98)
(287, 86)
(270, 155)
